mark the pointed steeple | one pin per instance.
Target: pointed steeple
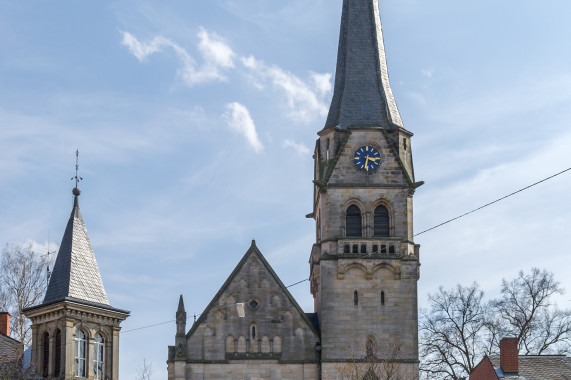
(362, 96)
(180, 305)
(75, 274)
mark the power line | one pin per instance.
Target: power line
(420, 233)
(496, 201)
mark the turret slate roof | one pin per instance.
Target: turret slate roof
(362, 96)
(75, 274)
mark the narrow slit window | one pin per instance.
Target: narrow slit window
(383, 298)
(355, 298)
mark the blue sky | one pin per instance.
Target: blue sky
(196, 121)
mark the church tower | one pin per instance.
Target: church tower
(364, 265)
(75, 332)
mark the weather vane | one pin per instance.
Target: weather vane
(77, 178)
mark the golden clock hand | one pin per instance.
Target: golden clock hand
(367, 162)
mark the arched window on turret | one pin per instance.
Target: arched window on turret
(46, 354)
(80, 354)
(381, 222)
(353, 222)
(99, 357)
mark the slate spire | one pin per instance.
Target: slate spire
(362, 96)
(75, 274)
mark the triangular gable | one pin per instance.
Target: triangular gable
(252, 250)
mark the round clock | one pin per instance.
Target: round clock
(367, 158)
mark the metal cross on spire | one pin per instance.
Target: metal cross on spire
(77, 178)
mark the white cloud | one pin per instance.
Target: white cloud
(305, 100)
(217, 56)
(142, 50)
(238, 118)
(298, 147)
(214, 49)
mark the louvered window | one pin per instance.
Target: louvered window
(46, 357)
(382, 221)
(57, 354)
(353, 222)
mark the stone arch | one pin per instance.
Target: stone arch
(395, 271)
(277, 344)
(356, 265)
(230, 344)
(265, 349)
(241, 344)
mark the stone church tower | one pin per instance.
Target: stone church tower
(364, 266)
(75, 332)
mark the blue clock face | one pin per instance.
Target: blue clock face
(367, 158)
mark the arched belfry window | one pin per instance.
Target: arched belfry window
(80, 354)
(353, 222)
(99, 357)
(381, 222)
(46, 356)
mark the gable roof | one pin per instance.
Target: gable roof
(544, 367)
(252, 250)
(362, 94)
(76, 274)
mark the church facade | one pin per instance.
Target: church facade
(364, 265)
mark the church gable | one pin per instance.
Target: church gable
(273, 327)
(392, 171)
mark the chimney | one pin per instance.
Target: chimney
(509, 355)
(4, 323)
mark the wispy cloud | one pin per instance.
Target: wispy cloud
(238, 118)
(306, 100)
(216, 54)
(298, 147)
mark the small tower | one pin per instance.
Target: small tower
(75, 332)
(180, 339)
(364, 266)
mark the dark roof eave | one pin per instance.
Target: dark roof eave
(79, 302)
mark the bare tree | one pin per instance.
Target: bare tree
(461, 327)
(372, 362)
(11, 367)
(455, 332)
(145, 370)
(22, 284)
(529, 314)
